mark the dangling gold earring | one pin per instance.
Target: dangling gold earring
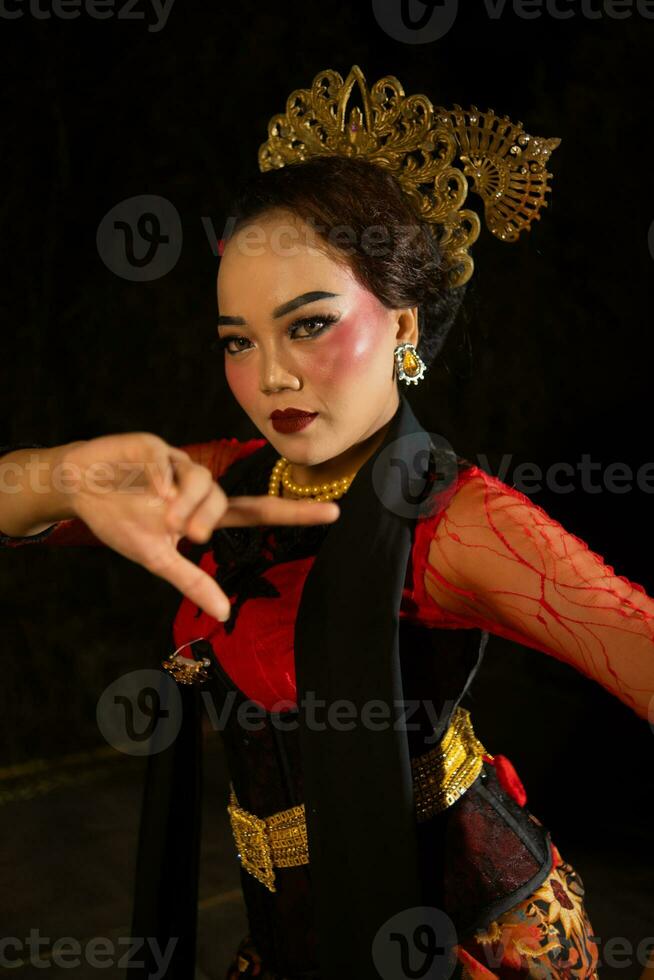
(409, 366)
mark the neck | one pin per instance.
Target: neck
(345, 464)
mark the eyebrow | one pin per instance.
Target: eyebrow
(287, 307)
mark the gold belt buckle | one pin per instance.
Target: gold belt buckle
(440, 777)
(252, 843)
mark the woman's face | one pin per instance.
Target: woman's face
(331, 353)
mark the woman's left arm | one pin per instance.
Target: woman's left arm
(497, 561)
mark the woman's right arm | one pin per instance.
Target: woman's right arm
(140, 496)
(47, 517)
(33, 500)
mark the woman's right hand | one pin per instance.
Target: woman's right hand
(140, 496)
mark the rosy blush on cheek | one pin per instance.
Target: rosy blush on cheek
(243, 382)
(351, 346)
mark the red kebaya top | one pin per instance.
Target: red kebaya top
(489, 559)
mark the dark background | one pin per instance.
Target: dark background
(550, 359)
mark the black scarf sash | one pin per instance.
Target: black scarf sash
(358, 787)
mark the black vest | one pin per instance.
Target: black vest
(369, 859)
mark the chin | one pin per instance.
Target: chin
(295, 455)
(302, 455)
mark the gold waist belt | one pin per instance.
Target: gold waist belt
(440, 777)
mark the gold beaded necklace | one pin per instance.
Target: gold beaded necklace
(324, 491)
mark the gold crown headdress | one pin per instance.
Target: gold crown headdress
(418, 143)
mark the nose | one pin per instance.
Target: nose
(276, 377)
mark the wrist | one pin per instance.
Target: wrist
(33, 491)
(64, 482)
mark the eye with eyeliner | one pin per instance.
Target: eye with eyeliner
(325, 319)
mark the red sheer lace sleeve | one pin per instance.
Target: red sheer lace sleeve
(217, 455)
(497, 561)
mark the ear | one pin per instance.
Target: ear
(407, 326)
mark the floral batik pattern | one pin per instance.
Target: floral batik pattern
(546, 937)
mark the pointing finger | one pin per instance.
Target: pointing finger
(252, 510)
(192, 582)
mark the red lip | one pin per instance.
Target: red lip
(292, 420)
(288, 413)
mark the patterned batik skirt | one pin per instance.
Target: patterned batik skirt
(547, 936)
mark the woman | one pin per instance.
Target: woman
(393, 599)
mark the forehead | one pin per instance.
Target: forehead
(274, 254)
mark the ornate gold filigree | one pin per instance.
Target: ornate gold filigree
(421, 145)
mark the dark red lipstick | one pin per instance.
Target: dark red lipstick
(291, 419)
